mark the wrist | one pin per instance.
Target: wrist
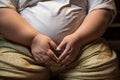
(34, 39)
(79, 39)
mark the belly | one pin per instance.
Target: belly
(54, 19)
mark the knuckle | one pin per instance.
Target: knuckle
(50, 53)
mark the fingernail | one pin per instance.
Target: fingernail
(57, 48)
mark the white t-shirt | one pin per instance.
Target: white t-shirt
(56, 18)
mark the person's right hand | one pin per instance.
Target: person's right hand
(42, 50)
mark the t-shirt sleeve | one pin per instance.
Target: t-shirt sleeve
(102, 4)
(9, 3)
(18, 5)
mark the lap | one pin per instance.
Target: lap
(16, 62)
(96, 62)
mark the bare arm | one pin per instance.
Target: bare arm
(15, 28)
(93, 27)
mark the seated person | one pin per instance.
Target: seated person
(46, 38)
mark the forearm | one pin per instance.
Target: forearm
(15, 28)
(93, 26)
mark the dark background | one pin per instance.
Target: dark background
(112, 34)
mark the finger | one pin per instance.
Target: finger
(69, 59)
(43, 57)
(51, 54)
(61, 46)
(65, 53)
(38, 56)
(47, 60)
(53, 45)
(38, 59)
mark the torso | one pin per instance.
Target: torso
(56, 18)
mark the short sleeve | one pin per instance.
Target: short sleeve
(9, 3)
(18, 5)
(102, 4)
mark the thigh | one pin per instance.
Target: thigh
(17, 63)
(96, 62)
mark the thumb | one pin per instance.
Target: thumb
(61, 46)
(53, 45)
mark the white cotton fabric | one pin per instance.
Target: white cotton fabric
(56, 18)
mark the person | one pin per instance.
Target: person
(41, 39)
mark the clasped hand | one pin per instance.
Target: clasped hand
(43, 50)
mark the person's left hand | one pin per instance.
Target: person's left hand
(71, 47)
